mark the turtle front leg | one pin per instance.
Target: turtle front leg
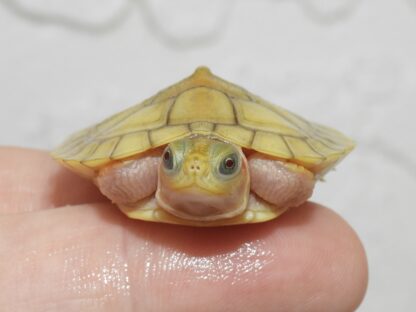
(130, 181)
(280, 183)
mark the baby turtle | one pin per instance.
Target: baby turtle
(204, 152)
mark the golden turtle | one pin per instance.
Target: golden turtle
(204, 152)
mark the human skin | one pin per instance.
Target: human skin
(64, 247)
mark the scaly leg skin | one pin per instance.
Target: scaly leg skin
(130, 181)
(280, 183)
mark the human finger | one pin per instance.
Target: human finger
(31, 180)
(91, 257)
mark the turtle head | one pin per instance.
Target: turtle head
(203, 179)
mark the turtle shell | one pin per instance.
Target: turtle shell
(204, 104)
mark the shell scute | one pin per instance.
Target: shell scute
(261, 117)
(213, 107)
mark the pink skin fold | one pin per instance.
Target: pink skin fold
(279, 183)
(130, 181)
(282, 184)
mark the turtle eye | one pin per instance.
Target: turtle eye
(168, 159)
(229, 164)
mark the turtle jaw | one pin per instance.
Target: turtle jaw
(197, 204)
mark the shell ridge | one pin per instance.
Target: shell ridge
(288, 146)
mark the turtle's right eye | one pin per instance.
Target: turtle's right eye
(229, 165)
(168, 161)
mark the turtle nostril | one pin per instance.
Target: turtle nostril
(194, 167)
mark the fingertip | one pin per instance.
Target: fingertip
(309, 259)
(328, 260)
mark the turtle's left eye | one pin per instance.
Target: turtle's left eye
(168, 159)
(229, 164)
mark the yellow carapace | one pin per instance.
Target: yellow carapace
(204, 152)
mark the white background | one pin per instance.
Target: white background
(350, 64)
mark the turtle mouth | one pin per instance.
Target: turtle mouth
(198, 185)
(199, 205)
